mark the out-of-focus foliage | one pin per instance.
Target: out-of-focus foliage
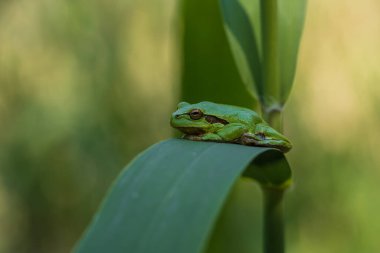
(333, 206)
(85, 85)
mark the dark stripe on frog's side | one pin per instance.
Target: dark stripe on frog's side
(213, 119)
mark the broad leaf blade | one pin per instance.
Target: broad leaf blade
(238, 228)
(168, 198)
(274, 174)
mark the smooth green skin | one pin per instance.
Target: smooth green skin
(243, 126)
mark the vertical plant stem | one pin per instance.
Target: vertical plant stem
(274, 241)
(273, 116)
(270, 41)
(273, 221)
(274, 235)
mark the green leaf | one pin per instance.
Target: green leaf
(238, 228)
(291, 20)
(245, 41)
(168, 199)
(264, 37)
(208, 69)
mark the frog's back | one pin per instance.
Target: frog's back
(236, 113)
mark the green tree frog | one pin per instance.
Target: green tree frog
(207, 121)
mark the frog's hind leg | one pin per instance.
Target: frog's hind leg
(261, 141)
(249, 139)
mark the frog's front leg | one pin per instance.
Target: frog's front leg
(210, 135)
(232, 132)
(222, 133)
(204, 137)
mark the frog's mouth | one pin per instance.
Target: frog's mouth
(191, 130)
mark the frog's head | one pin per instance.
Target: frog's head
(193, 118)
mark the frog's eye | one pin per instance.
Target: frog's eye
(196, 114)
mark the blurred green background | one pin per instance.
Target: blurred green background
(86, 85)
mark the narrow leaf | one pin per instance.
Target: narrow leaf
(168, 199)
(291, 21)
(244, 42)
(264, 37)
(207, 62)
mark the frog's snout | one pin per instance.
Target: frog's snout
(174, 118)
